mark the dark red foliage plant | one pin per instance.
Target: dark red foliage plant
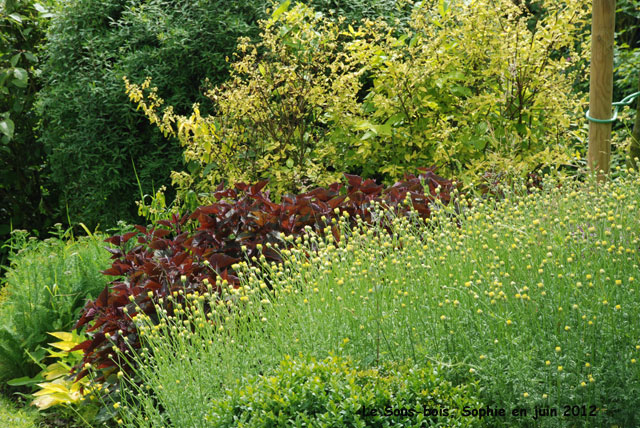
(244, 223)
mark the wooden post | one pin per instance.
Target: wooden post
(601, 84)
(634, 149)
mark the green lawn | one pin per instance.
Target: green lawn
(13, 417)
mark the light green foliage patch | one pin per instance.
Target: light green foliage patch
(12, 417)
(45, 287)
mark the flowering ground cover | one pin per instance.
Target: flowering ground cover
(528, 301)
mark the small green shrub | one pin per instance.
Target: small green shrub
(334, 393)
(45, 288)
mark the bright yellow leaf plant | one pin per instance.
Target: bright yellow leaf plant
(475, 87)
(62, 388)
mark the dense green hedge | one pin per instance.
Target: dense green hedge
(92, 133)
(23, 198)
(627, 54)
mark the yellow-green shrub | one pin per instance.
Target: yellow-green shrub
(473, 86)
(472, 89)
(270, 120)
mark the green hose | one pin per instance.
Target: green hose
(625, 102)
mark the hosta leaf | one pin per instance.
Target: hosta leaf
(64, 345)
(62, 335)
(54, 371)
(56, 386)
(57, 392)
(47, 400)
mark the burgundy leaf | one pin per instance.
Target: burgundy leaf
(115, 240)
(128, 236)
(83, 346)
(241, 187)
(353, 180)
(333, 203)
(258, 186)
(159, 244)
(221, 261)
(161, 233)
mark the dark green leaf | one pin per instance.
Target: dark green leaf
(21, 76)
(14, 60)
(461, 91)
(25, 381)
(208, 169)
(19, 83)
(30, 57)
(7, 127)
